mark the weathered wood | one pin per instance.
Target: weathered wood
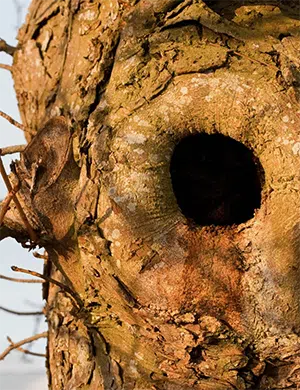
(164, 304)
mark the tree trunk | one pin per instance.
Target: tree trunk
(163, 183)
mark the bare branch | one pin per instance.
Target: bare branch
(12, 121)
(36, 330)
(20, 343)
(27, 352)
(12, 149)
(21, 280)
(6, 202)
(16, 123)
(5, 66)
(40, 256)
(22, 313)
(7, 48)
(48, 279)
(31, 232)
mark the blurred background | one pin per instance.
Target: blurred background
(17, 371)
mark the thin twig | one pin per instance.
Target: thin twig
(6, 202)
(31, 232)
(21, 280)
(16, 123)
(20, 343)
(7, 48)
(22, 313)
(40, 256)
(12, 149)
(5, 66)
(12, 121)
(48, 279)
(27, 352)
(36, 329)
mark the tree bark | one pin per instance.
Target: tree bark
(159, 302)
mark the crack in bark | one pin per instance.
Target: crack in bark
(126, 293)
(109, 64)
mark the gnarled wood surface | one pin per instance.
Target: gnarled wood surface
(161, 303)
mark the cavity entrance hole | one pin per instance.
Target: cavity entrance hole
(216, 180)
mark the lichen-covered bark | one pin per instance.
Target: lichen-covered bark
(160, 303)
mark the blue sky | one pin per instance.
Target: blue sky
(16, 371)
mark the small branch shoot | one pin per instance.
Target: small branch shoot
(12, 149)
(22, 313)
(48, 279)
(7, 48)
(5, 66)
(12, 121)
(31, 232)
(20, 343)
(21, 280)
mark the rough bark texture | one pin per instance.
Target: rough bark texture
(161, 303)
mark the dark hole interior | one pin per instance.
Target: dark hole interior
(196, 354)
(216, 180)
